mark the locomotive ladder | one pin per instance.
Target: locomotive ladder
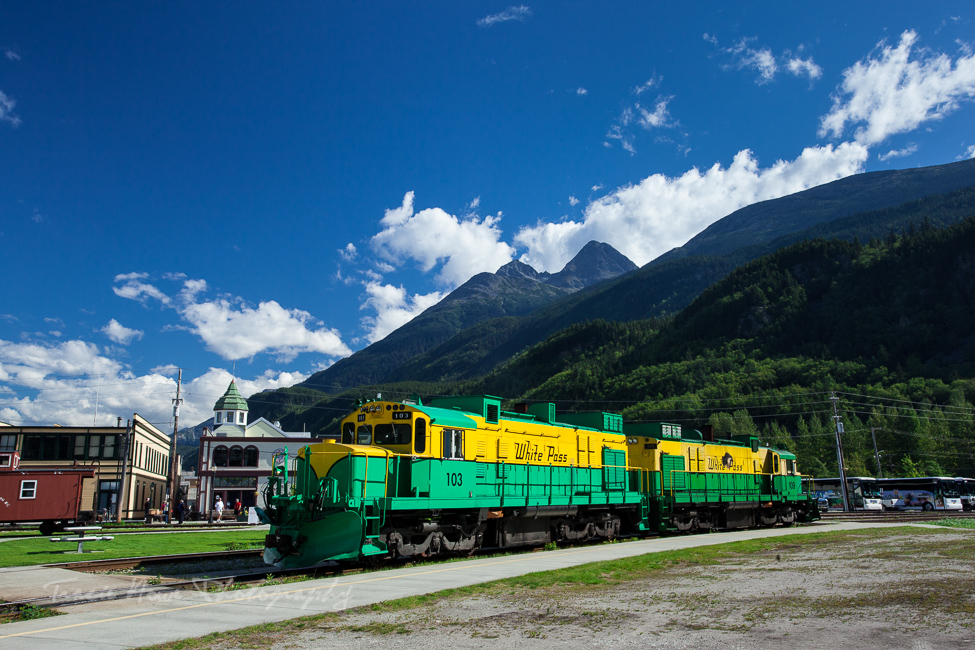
(374, 522)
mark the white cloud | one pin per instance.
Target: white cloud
(621, 133)
(659, 117)
(520, 13)
(645, 220)
(573, 201)
(431, 237)
(63, 383)
(233, 329)
(349, 252)
(970, 152)
(898, 153)
(11, 55)
(765, 62)
(581, 91)
(807, 67)
(890, 93)
(120, 333)
(7, 110)
(650, 83)
(134, 289)
(393, 308)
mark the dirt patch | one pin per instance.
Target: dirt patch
(906, 590)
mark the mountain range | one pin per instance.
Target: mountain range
(495, 316)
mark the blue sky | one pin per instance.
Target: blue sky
(259, 189)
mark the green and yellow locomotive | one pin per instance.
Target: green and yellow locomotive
(459, 474)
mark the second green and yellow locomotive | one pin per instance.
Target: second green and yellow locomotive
(458, 474)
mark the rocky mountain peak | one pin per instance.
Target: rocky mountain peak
(593, 264)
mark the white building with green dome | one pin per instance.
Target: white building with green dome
(235, 457)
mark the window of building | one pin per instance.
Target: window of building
(220, 456)
(28, 489)
(53, 446)
(240, 417)
(230, 417)
(236, 456)
(94, 445)
(8, 443)
(235, 481)
(250, 457)
(219, 418)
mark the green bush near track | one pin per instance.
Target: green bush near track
(40, 550)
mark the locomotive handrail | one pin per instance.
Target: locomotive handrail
(687, 488)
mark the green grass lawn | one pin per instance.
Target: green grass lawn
(41, 550)
(954, 522)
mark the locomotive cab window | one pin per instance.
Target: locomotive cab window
(420, 436)
(396, 433)
(348, 433)
(364, 434)
(453, 444)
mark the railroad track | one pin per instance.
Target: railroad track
(146, 589)
(230, 581)
(169, 528)
(896, 516)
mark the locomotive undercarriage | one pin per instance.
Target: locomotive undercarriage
(704, 517)
(463, 533)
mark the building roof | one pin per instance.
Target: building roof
(232, 400)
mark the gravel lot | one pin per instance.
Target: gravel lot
(891, 589)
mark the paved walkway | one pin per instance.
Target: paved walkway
(174, 615)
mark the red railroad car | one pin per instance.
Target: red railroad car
(50, 496)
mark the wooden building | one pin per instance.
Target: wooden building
(130, 464)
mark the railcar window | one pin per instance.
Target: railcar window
(397, 433)
(453, 443)
(420, 436)
(28, 489)
(348, 433)
(364, 434)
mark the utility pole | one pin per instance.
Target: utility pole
(172, 488)
(876, 454)
(838, 425)
(125, 471)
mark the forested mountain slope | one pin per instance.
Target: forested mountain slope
(654, 290)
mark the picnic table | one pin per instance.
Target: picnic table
(81, 538)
